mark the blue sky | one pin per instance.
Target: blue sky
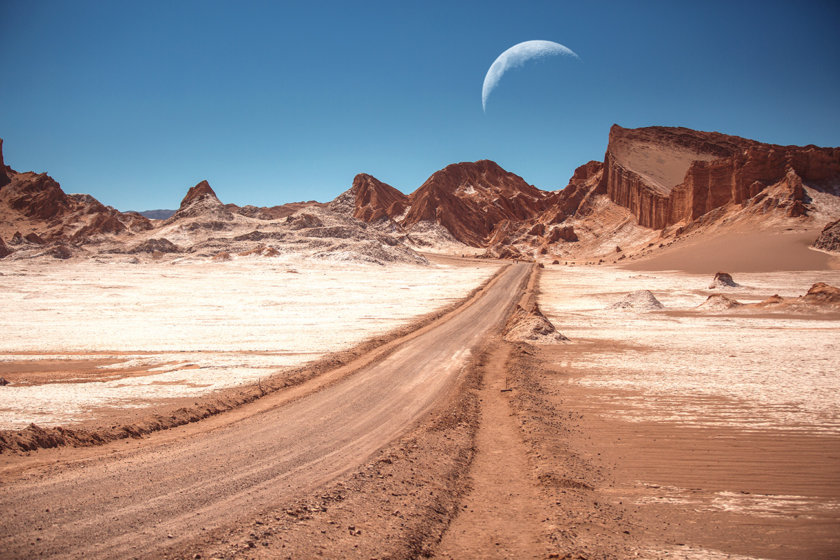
(273, 102)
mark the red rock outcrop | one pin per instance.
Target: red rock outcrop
(585, 183)
(829, 238)
(375, 200)
(821, 293)
(197, 193)
(669, 175)
(472, 199)
(36, 202)
(202, 203)
(564, 233)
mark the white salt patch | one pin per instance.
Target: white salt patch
(741, 370)
(200, 326)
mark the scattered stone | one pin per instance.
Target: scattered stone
(3, 381)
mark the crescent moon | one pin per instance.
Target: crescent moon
(516, 56)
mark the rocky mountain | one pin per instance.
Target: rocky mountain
(469, 200)
(35, 211)
(654, 185)
(374, 200)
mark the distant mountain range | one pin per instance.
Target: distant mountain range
(157, 214)
(654, 185)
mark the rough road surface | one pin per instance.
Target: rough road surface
(165, 491)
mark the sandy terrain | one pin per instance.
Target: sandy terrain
(150, 496)
(742, 251)
(83, 336)
(696, 434)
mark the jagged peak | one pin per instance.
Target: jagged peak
(199, 192)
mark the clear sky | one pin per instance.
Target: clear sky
(273, 102)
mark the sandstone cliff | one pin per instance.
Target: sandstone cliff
(666, 175)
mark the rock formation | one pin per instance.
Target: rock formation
(669, 175)
(35, 202)
(201, 202)
(719, 302)
(822, 293)
(829, 238)
(528, 324)
(723, 280)
(375, 200)
(654, 185)
(153, 245)
(471, 200)
(4, 250)
(640, 300)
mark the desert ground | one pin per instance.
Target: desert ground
(401, 418)
(84, 339)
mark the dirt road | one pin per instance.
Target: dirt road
(168, 490)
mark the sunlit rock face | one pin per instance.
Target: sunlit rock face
(668, 175)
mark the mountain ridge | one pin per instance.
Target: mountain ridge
(653, 184)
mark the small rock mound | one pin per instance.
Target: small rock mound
(304, 220)
(640, 300)
(60, 251)
(719, 302)
(152, 245)
(829, 238)
(723, 280)
(221, 256)
(201, 202)
(34, 238)
(530, 325)
(775, 299)
(822, 293)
